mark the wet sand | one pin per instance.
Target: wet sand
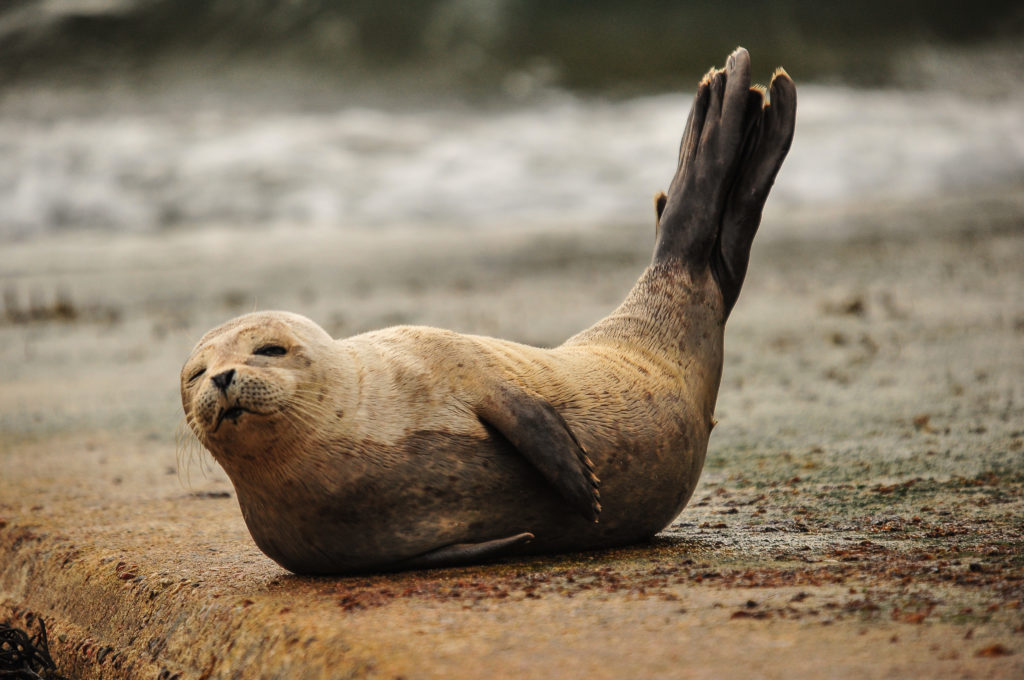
(859, 513)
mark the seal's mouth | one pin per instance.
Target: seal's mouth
(232, 414)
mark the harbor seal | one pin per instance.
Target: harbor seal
(419, 447)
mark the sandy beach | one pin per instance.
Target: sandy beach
(859, 513)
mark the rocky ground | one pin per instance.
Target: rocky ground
(860, 514)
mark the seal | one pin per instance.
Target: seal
(417, 447)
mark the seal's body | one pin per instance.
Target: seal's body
(416, 446)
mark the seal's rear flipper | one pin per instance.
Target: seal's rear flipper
(766, 148)
(536, 429)
(731, 150)
(464, 553)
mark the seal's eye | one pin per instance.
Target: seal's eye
(195, 375)
(270, 351)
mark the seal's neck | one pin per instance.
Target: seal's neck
(676, 317)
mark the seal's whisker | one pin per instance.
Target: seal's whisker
(309, 416)
(188, 450)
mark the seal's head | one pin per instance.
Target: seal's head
(252, 381)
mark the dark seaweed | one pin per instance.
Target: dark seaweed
(26, 658)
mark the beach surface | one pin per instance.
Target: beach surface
(860, 513)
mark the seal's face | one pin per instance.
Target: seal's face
(245, 380)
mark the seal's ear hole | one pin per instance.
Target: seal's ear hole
(270, 351)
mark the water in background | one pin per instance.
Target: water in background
(119, 115)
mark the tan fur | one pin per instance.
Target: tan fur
(386, 447)
(333, 414)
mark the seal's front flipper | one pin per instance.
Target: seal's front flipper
(464, 553)
(536, 429)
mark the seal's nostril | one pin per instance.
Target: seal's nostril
(222, 380)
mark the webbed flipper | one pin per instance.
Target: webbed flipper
(542, 436)
(732, 148)
(766, 147)
(464, 553)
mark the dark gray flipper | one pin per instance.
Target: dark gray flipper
(731, 151)
(765, 150)
(709, 156)
(536, 429)
(464, 553)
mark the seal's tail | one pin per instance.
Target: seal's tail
(731, 151)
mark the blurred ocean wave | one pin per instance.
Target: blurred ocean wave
(146, 128)
(569, 157)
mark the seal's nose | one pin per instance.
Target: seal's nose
(222, 380)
